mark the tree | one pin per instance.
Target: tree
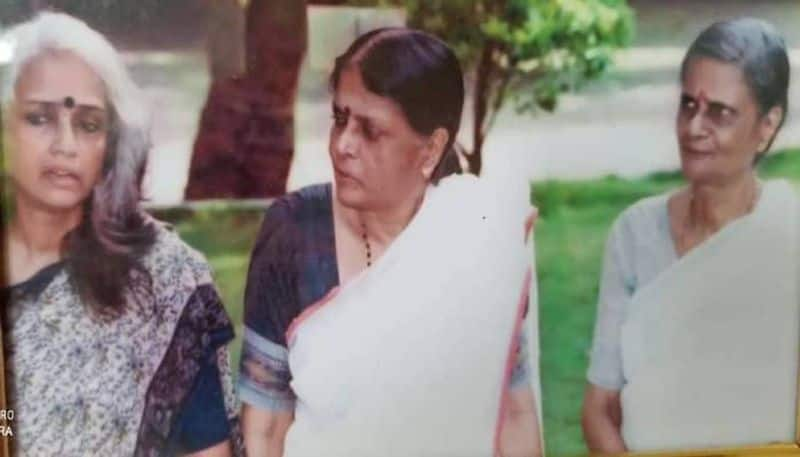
(245, 143)
(528, 51)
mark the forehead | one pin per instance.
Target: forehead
(56, 75)
(351, 94)
(716, 80)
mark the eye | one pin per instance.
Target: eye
(91, 126)
(369, 131)
(37, 119)
(688, 104)
(720, 114)
(339, 118)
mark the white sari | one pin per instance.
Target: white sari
(413, 356)
(710, 347)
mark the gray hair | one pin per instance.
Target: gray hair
(758, 50)
(118, 193)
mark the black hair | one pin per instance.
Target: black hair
(417, 71)
(759, 51)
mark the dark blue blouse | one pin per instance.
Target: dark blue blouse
(202, 422)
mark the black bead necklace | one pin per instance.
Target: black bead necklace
(366, 244)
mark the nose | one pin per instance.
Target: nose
(66, 142)
(347, 141)
(697, 127)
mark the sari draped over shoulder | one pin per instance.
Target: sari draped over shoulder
(412, 357)
(84, 386)
(710, 347)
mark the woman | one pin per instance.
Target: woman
(381, 310)
(115, 336)
(696, 337)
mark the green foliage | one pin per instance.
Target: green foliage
(532, 50)
(548, 46)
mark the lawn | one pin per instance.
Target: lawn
(570, 235)
(570, 238)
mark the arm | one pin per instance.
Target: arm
(265, 431)
(602, 409)
(203, 428)
(519, 436)
(602, 420)
(271, 302)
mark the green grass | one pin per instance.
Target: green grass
(570, 236)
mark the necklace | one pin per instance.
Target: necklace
(366, 244)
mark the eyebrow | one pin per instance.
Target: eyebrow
(60, 103)
(337, 109)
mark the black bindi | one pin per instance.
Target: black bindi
(69, 102)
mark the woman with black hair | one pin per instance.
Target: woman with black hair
(696, 338)
(383, 312)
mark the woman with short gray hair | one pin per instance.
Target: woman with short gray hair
(695, 343)
(114, 334)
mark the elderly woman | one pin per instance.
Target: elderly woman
(115, 335)
(383, 311)
(697, 330)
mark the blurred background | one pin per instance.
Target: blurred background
(574, 99)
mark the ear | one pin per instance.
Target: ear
(433, 151)
(769, 127)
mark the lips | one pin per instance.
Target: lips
(62, 177)
(697, 153)
(343, 175)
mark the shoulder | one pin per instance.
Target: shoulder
(170, 258)
(642, 220)
(294, 213)
(301, 204)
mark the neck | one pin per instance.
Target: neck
(40, 231)
(383, 226)
(711, 206)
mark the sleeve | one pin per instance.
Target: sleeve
(203, 421)
(271, 302)
(616, 289)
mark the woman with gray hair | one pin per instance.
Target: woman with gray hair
(115, 337)
(696, 339)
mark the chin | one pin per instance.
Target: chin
(698, 169)
(350, 193)
(62, 201)
(351, 198)
(700, 174)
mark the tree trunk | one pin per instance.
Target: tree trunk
(480, 109)
(225, 42)
(245, 144)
